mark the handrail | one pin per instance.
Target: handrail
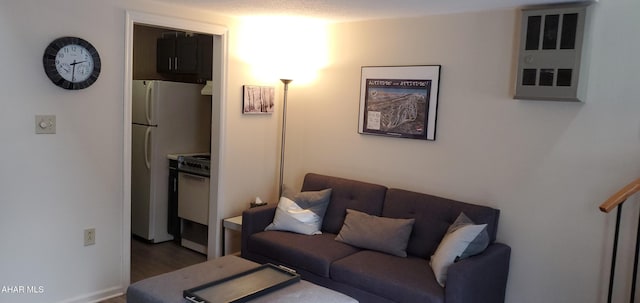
(616, 201)
(620, 196)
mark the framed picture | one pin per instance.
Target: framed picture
(399, 101)
(257, 99)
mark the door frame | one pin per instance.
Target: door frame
(218, 125)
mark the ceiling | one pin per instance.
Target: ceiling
(351, 10)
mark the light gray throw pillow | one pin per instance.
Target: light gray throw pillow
(462, 240)
(388, 235)
(301, 212)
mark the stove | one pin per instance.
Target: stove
(198, 164)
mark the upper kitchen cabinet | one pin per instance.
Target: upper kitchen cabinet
(177, 55)
(182, 53)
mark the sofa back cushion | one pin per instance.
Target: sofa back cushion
(433, 216)
(345, 193)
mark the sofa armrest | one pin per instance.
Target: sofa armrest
(255, 220)
(481, 278)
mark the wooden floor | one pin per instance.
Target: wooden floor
(148, 260)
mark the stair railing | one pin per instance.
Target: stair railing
(616, 201)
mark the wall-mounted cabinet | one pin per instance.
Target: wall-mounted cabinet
(179, 53)
(196, 55)
(550, 61)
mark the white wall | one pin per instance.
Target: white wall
(55, 186)
(546, 165)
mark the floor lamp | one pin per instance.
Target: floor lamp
(284, 129)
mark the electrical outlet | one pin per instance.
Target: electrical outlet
(89, 236)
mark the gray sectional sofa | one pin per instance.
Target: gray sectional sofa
(371, 276)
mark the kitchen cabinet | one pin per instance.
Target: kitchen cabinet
(183, 54)
(177, 55)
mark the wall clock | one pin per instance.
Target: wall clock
(71, 63)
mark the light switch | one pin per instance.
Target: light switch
(45, 124)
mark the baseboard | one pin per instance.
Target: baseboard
(97, 296)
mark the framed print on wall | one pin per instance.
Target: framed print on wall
(257, 99)
(399, 101)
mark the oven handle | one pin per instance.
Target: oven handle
(194, 177)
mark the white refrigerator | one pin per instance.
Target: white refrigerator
(168, 118)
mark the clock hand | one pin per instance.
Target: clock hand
(73, 77)
(73, 72)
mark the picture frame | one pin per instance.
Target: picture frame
(399, 101)
(258, 99)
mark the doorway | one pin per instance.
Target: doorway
(218, 80)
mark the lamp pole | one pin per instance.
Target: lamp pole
(284, 128)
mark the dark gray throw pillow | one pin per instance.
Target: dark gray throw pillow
(301, 212)
(388, 235)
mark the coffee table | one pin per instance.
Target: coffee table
(167, 288)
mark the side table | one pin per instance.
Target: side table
(234, 223)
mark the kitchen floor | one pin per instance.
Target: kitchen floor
(148, 260)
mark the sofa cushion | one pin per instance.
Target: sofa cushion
(361, 196)
(300, 212)
(433, 217)
(386, 235)
(397, 279)
(311, 253)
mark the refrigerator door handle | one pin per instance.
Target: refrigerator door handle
(147, 136)
(147, 102)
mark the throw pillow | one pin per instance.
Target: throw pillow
(387, 235)
(462, 240)
(301, 212)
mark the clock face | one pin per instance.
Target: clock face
(74, 63)
(71, 63)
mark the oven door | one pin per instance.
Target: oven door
(193, 197)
